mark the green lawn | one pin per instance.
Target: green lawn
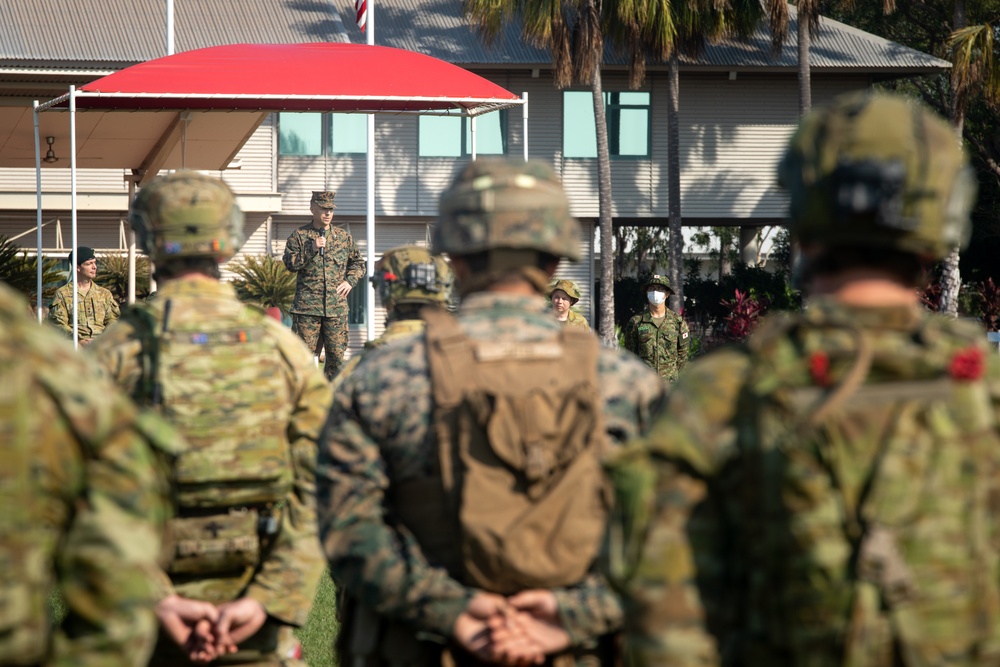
(318, 634)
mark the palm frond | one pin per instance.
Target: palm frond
(263, 280)
(20, 271)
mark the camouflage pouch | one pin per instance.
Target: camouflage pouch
(520, 434)
(217, 544)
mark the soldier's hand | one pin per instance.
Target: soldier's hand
(343, 289)
(520, 639)
(188, 623)
(471, 631)
(238, 621)
(319, 242)
(540, 603)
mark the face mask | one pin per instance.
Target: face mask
(656, 297)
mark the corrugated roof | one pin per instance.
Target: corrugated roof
(115, 33)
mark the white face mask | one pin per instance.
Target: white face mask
(656, 297)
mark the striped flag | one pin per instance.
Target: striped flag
(361, 11)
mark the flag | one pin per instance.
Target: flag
(361, 11)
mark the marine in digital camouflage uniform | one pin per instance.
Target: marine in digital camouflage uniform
(327, 265)
(84, 496)
(659, 336)
(824, 494)
(505, 224)
(247, 396)
(569, 294)
(407, 279)
(96, 307)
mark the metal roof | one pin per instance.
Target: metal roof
(116, 33)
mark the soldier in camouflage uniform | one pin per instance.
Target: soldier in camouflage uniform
(96, 307)
(84, 499)
(390, 535)
(246, 395)
(564, 294)
(327, 265)
(826, 494)
(659, 336)
(407, 279)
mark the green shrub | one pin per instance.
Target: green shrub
(21, 272)
(112, 274)
(264, 281)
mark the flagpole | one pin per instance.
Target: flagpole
(370, 201)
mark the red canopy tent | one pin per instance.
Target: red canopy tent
(197, 108)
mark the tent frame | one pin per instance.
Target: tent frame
(68, 102)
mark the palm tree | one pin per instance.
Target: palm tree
(21, 272)
(571, 31)
(974, 69)
(263, 281)
(660, 31)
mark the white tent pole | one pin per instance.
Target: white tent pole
(524, 126)
(72, 203)
(370, 197)
(131, 244)
(170, 27)
(38, 222)
(472, 127)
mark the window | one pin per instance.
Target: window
(451, 136)
(303, 134)
(627, 116)
(348, 133)
(300, 134)
(357, 299)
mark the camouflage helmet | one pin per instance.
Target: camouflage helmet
(657, 279)
(506, 204)
(410, 274)
(878, 171)
(568, 286)
(187, 214)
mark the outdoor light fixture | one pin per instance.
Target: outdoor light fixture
(50, 156)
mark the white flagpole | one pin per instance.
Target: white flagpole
(170, 27)
(370, 200)
(38, 216)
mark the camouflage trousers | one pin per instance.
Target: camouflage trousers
(332, 331)
(274, 645)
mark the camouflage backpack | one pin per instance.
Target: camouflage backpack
(864, 536)
(520, 498)
(220, 380)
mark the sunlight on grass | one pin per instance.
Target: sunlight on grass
(320, 631)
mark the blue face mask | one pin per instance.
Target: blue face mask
(656, 297)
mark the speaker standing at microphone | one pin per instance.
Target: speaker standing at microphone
(323, 280)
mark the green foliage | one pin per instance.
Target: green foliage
(21, 272)
(630, 298)
(264, 281)
(703, 297)
(112, 274)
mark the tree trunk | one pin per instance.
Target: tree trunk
(674, 185)
(606, 320)
(951, 276)
(805, 74)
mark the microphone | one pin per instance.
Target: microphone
(321, 249)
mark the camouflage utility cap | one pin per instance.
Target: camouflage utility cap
(187, 214)
(506, 204)
(410, 274)
(879, 171)
(567, 286)
(661, 280)
(323, 198)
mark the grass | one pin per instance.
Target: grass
(320, 631)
